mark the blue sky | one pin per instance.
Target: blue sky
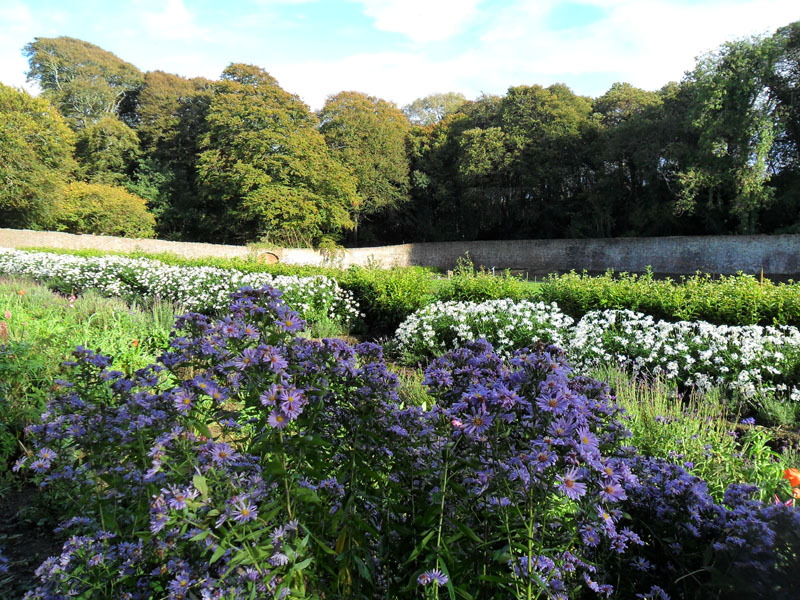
(400, 49)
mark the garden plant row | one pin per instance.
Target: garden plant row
(249, 462)
(752, 360)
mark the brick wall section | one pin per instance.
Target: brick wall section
(777, 255)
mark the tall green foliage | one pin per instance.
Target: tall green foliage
(264, 169)
(82, 80)
(169, 118)
(36, 148)
(736, 119)
(368, 135)
(106, 150)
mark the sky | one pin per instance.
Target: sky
(400, 50)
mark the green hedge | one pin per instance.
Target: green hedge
(733, 300)
(470, 285)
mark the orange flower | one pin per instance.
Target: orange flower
(21, 292)
(793, 475)
(796, 493)
(135, 343)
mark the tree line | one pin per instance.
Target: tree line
(107, 148)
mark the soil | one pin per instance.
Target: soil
(26, 538)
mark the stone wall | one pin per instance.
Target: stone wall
(777, 255)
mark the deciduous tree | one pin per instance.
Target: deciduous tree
(36, 158)
(368, 135)
(82, 80)
(264, 168)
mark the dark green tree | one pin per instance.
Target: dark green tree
(265, 171)
(169, 115)
(368, 135)
(737, 123)
(106, 150)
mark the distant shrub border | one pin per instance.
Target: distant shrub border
(734, 300)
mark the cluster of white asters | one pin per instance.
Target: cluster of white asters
(193, 288)
(506, 324)
(749, 359)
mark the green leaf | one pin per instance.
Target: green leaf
(217, 554)
(201, 484)
(421, 546)
(200, 536)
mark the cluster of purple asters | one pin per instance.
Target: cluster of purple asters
(250, 463)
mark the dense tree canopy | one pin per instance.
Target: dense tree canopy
(106, 150)
(240, 159)
(82, 80)
(264, 169)
(433, 108)
(36, 158)
(368, 135)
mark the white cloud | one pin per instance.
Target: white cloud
(645, 42)
(396, 76)
(421, 20)
(16, 25)
(174, 22)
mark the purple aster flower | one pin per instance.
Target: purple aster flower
(555, 402)
(222, 453)
(179, 586)
(477, 423)
(590, 536)
(587, 441)
(543, 459)
(612, 492)
(40, 466)
(47, 454)
(275, 361)
(177, 497)
(433, 576)
(277, 420)
(183, 400)
(561, 427)
(606, 517)
(248, 357)
(244, 511)
(292, 403)
(270, 397)
(158, 521)
(278, 559)
(570, 485)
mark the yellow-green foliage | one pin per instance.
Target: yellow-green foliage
(36, 147)
(102, 209)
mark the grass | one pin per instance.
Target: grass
(38, 331)
(700, 432)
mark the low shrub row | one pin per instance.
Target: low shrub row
(733, 300)
(317, 298)
(388, 296)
